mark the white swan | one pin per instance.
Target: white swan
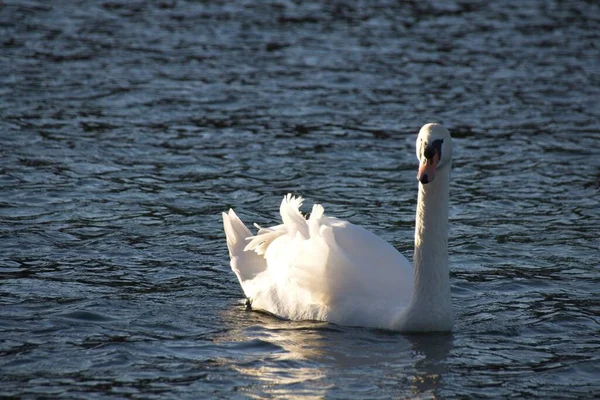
(327, 269)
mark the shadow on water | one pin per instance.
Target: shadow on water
(435, 349)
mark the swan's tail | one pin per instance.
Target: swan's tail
(245, 264)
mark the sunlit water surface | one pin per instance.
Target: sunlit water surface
(127, 127)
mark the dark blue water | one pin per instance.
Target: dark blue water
(127, 127)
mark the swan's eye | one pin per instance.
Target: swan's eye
(429, 152)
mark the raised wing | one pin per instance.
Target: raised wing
(326, 262)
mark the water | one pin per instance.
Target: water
(127, 127)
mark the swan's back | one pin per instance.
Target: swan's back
(321, 268)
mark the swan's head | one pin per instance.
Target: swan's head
(434, 151)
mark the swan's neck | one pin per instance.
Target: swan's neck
(431, 303)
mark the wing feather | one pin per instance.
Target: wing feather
(325, 262)
(291, 216)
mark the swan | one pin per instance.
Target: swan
(326, 269)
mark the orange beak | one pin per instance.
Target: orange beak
(427, 169)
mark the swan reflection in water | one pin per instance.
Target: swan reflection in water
(276, 356)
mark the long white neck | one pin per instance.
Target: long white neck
(431, 307)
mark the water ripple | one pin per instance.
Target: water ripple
(127, 127)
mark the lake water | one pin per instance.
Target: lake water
(126, 128)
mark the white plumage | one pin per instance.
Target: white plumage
(331, 270)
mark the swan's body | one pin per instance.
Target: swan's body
(331, 270)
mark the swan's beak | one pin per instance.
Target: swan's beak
(427, 169)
